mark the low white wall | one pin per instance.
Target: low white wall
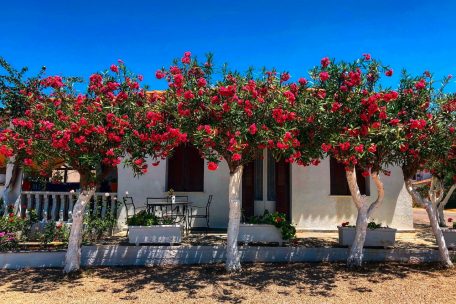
(153, 184)
(314, 208)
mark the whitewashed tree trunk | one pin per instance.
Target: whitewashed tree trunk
(13, 184)
(441, 206)
(233, 262)
(431, 211)
(355, 257)
(73, 254)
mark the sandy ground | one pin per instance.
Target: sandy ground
(260, 283)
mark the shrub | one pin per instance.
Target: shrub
(277, 219)
(8, 241)
(143, 218)
(55, 232)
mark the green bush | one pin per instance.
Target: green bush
(143, 218)
(277, 219)
(55, 232)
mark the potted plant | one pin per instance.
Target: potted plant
(450, 234)
(172, 195)
(268, 228)
(376, 235)
(147, 228)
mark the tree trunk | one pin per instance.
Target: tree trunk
(73, 254)
(12, 190)
(441, 206)
(430, 209)
(355, 257)
(233, 262)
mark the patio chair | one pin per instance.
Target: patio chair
(128, 201)
(204, 215)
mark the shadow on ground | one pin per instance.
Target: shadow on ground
(311, 279)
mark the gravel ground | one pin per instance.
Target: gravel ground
(260, 283)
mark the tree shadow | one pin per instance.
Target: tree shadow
(302, 278)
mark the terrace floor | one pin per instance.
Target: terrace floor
(421, 238)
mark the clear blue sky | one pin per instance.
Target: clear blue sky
(81, 37)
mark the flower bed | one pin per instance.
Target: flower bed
(255, 233)
(270, 227)
(376, 236)
(144, 228)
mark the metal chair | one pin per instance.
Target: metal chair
(128, 201)
(203, 216)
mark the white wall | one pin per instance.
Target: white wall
(153, 184)
(311, 205)
(314, 208)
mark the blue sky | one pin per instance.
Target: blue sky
(81, 37)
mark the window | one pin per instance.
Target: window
(339, 184)
(186, 170)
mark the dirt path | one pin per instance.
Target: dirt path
(260, 283)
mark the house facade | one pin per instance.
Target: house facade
(314, 197)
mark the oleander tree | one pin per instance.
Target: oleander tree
(359, 125)
(114, 119)
(233, 117)
(427, 129)
(13, 105)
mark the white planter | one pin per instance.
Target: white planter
(380, 237)
(157, 234)
(450, 237)
(253, 233)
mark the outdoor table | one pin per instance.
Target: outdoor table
(182, 208)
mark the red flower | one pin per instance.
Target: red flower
(450, 220)
(376, 125)
(326, 147)
(188, 95)
(212, 166)
(324, 76)
(344, 146)
(365, 173)
(345, 224)
(159, 74)
(202, 82)
(336, 106)
(114, 68)
(284, 77)
(389, 72)
(302, 81)
(253, 129)
(236, 157)
(325, 62)
(420, 84)
(359, 148)
(372, 148)
(367, 57)
(28, 162)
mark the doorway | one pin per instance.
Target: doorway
(266, 186)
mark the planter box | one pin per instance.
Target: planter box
(450, 237)
(157, 234)
(256, 233)
(381, 237)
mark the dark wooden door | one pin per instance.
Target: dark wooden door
(248, 194)
(283, 188)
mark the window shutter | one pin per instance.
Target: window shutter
(185, 169)
(338, 179)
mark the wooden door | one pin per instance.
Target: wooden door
(283, 188)
(248, 193)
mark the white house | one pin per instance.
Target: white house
(314, 198)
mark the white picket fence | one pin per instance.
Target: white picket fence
(58, 206)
